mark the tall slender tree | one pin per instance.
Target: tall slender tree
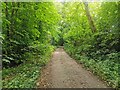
(90, 20)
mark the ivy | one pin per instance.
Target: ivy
(97, 50)
(89, 32)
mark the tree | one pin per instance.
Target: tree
(93, 28)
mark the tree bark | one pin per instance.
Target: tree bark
(12, 16)
(90, 20)
(7, 26)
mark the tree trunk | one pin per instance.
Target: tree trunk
(12, 17)
(7, 17)
(91, 23)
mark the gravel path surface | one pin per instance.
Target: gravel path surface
(63, 72)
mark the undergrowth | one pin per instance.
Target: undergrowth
(107, 69)
(25, 75)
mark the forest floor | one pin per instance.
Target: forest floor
(64, 72)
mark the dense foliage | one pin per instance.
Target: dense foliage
(98, 49)
(30, 32)
(28, 29)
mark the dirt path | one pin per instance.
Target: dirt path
(64, 72)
